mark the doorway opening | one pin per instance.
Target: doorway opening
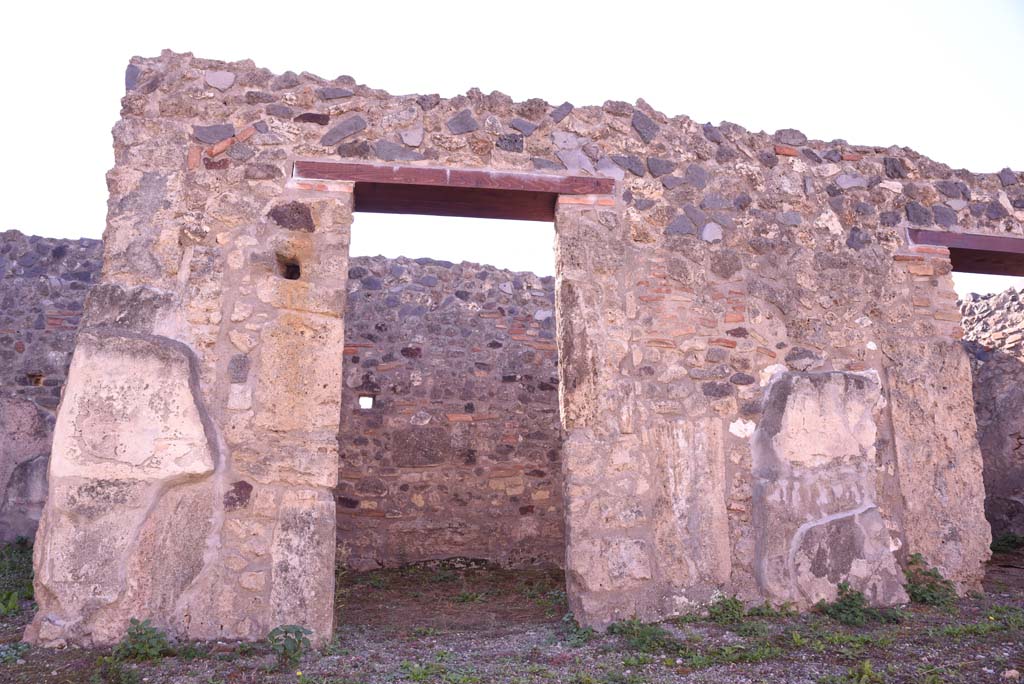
(450, 437)
(988, 274)
(458, 455)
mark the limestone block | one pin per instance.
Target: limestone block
(122, 528)
(129, 413)
(298, 373)
(815, 512)
(302, 562)
(691, 525)
(311, 462)
(938, 460)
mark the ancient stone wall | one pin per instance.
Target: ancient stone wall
(735, 288)
(43, 284)
(994, 336)
(460, 453)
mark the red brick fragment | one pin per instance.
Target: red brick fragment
(786, 151)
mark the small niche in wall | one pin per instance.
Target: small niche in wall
(35, 379)
(288, 267)
(366, 402)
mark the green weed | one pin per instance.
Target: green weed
(143, 641)
(926, 585)
(1007, 543)
(289, 643)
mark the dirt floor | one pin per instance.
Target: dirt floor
(461, 623)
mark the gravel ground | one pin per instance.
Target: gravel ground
(462, 623)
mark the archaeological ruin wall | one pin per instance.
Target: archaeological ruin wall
(994, 337)
(459, 454)
(43, 284)
(761, 382)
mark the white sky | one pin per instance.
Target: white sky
(939, 76)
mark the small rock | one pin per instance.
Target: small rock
(560, 112)
(711, 232)
(995, 211)
(356, 148)
(1012, 675)
(262, 172)
(542, 164)
(944, 216)
(258, 97)
(288, 79)
(697, 176)
(131, 76)
(293, 216)
(894, 167)
(333, 93)
(313, 117)
(789, 218)
(713, 134)
(849, 180)
(346, 128)
(889, 218)
(660, 167)
(389, 151)
(463, 122)
(630, 163)
(644, 126)
(428, 102)
(1007, 177)
(213, 134)
(768, 158)
(918, 214)
(510, 142)
(413, 137)
(221, 80)
(280, 111)
(523, 126)
(681, 225)
(790, 136)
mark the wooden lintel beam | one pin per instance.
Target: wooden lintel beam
(432, 200)
(481, 179)
(970, 253)
(983, 243)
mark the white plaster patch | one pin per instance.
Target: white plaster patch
(769, 372)
(872, 346)
(829, 220)
(742, 428)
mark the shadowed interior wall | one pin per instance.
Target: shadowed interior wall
(460, 453)
(994, 337)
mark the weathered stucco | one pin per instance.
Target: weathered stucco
(726, 266)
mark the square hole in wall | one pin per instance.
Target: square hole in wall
(365, 402)
(288, 267)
